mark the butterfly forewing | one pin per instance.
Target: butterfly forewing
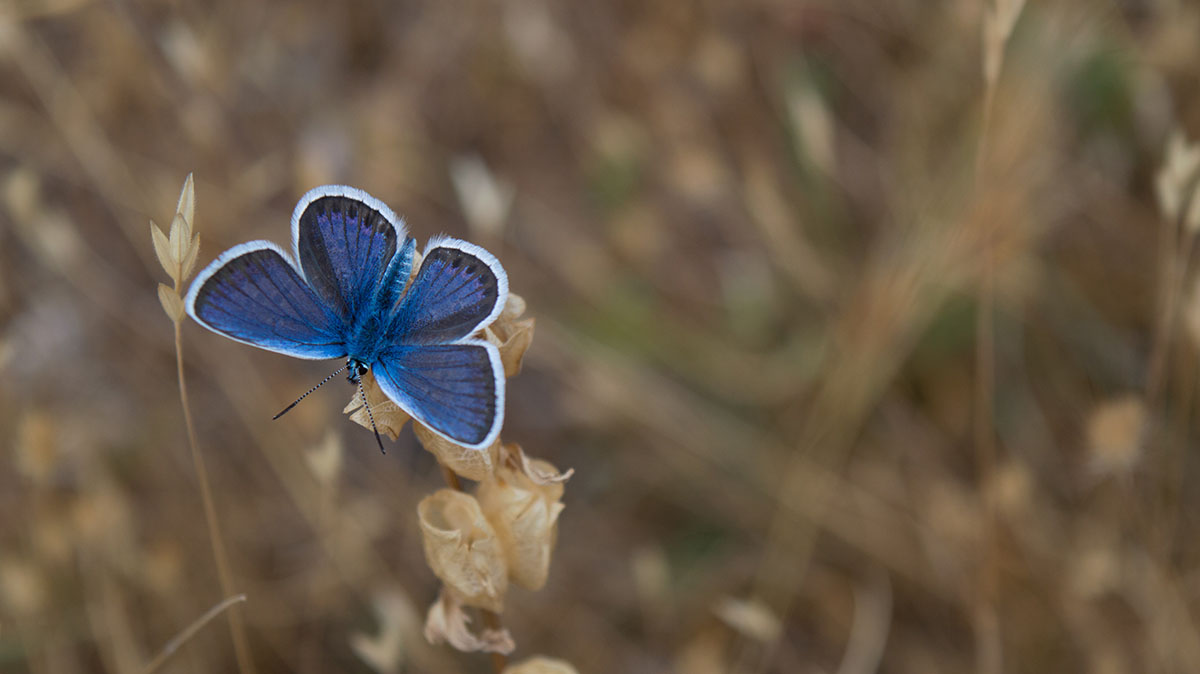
(345, 241)
(253, 294)
(457, 390)
(458, 289)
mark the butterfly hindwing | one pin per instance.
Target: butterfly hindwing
(345, 240)
(253, 294)
(458, 289)
(457, 390)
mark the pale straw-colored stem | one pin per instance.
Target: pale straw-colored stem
(987, 638)
(225, 577)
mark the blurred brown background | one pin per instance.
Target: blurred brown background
(760, 239)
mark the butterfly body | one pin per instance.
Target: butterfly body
(348, 294)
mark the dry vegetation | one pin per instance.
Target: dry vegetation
(862, 363)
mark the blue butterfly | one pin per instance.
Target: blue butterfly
(346, 294)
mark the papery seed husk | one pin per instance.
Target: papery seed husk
(171, 302)
(389, 418)
(524, 514)
(162, 249)
(447, 622)
(186, 206)
(462, 548)
(473, 464)
(180, 237)
(189, 263)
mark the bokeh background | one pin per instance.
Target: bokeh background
(862, 363)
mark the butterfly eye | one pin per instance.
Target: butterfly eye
(360, 369)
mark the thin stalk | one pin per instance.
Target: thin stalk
(188, 632)
(490, 619)
(225, 577)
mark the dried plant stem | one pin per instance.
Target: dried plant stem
(188, 632)
(988, 653)
(1165, 512)
(225, 577)
(490, 619)
(1173, 281)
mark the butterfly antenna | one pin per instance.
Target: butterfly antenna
(323, 381)
(367, 406)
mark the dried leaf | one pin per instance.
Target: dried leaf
(462, 548)
(171, 302)
(447, 622)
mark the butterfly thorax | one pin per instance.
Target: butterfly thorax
(365, 341)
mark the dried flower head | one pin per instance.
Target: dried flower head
(511, 334)
(177, 251)
(448, 622)
(541, 665)
(462, 548)
(524, 513)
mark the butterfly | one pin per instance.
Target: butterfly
(346, 293)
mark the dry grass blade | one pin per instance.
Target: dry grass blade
(188, 632)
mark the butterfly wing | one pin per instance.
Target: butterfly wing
(253, 294)
(457, 390)
(458, 290)
(345, 240)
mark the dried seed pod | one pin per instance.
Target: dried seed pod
(541, 665)
(462, 549)
(524, 514)
(473, 464)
